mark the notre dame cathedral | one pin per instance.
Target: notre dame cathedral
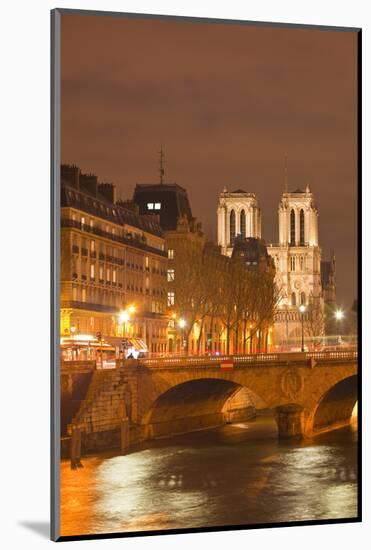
(297, 257)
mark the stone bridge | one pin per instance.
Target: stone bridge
(306, 392)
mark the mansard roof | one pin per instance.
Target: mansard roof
(97, 206)
(173, 200)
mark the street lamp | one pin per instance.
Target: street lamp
(339, 314)
(182, 323)
(302, 309)
(124, 317)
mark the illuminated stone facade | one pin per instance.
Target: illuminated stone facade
(111, 259)
(297, 256)
(238, 214)
(297, 259)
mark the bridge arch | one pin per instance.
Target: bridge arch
(335, 407)
(199, 404)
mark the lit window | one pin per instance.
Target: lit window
(170, 253)
(92, 271)
(150, 205)
(74, 293)
(147, 262)
(92, 246)
(170, 275)
(91, 223)
(170, 298)
(114, 275)
(157, 206)
(101, 272)
(82, 221)
(108, 275)
(83, 295)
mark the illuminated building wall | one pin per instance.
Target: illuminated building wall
(111, 258)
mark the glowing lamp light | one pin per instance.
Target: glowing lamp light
(131, 309)
(302, 308)
(339, 315)
(182, 323)
(124, 316)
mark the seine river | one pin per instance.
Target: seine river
(237, 474)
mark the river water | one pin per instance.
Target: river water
(239, 474)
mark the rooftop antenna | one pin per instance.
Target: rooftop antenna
(162, 169)
(286, 189)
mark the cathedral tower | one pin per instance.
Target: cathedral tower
(238, 215)
(297, 258)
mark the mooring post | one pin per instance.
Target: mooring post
(124, 434)
(76, 447)
(73, 447)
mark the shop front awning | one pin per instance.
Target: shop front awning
(135, 343)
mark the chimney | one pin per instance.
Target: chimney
(89, 184)
(108, 191)
(70, 174)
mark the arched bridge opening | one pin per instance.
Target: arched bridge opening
(337, 406)
(201, 404)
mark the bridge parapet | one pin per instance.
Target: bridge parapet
(254, 360)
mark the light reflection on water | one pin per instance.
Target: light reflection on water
(225, 476)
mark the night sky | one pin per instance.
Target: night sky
(227, 103)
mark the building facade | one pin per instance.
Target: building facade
(112, 259)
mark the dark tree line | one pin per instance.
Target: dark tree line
(215, 291)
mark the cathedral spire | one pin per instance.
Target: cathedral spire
(162, 169)
(285, 189)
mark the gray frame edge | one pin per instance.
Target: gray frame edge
(55, 90)
(198, 19)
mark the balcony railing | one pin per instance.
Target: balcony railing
(131, 240)
(89, 306)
